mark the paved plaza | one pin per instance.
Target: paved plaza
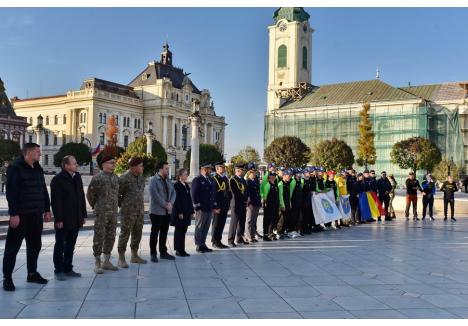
(396, 269)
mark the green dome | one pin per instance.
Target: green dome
(291, 14)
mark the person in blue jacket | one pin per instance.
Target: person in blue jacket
(429, 190)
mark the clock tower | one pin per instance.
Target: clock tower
(290, 48)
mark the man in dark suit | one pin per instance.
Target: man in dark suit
(69, 208)
(203, 196)
(238, 207)
(222, 199)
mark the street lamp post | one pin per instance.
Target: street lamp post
(39, 130)
(195, 120)
(149, 138)
(88, 143)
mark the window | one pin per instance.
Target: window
(101, 138)
(135, 124)
(177, 97)
(64, 139)
(100, 117)
(282, 56)
(46, 159)
(139, 123)
(46, 135)
(82, 136)
(105, 118)
(304, 57)
(31, 121)
(56, 120)
(175, 135)
(64, 119)
(47, 120)
(117, 120)
(125, 141)
(184, 137)
(55, 140)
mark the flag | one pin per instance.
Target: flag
(368, 206)
(97, 149)
(324, 207)
(378, 203)
(344, 207)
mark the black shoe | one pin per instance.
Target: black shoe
(432, 219)
(8, 285)
(265, 238)
(72, 273)
(254, 240)
(379, 219)
(154, 258)
(445, 218)
(219, 245)
(258, 235)
(165, 255)
(338, 226)
(207, 249)
(345, 225)
(36, 278)
(232, 245)
(415, 219)
(242, 241)
(182, 254)
(423, 218)
(200, 249)
(453, 219)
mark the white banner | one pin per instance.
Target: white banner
(345, 207)
(324, 207)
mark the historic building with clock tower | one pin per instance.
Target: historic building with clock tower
(290, 52)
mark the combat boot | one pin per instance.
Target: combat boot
(122, 263)
(97, 265)
(107, 265)
(136, 259)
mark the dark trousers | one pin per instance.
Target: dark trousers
(284, 220)
(159, 227)
(3, 187)
(29, 228)
(237, 224)
(270, 218)
(217, 226)
(385, 201)
(306, 218)
(448, 201)
(355, 212)
(427, 202)
(411, 199)
(65, 241)
(294, 219)
(179, 238)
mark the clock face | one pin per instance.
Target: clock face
(283, 27)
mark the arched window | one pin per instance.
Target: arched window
(175, 135)
(47, 120)
(282, 56)
(84, 117)
(100, 117)
(105, 118)
(56, 120)
(64, 119)
(304, 57)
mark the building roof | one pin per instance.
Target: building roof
(108, 86)
(157, 70)
(439, 92)
(6, 108)
(291, 14)
(349, 93)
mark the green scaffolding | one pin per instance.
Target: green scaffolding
(390, 124)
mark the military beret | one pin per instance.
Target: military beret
(106, 159)
(135, 161)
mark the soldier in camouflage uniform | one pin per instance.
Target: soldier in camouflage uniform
(131, 202)
(103, 196)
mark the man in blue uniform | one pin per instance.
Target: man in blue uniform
(203, 196)
(238, 207)
(222, 202)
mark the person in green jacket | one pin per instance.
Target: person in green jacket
(286, 187)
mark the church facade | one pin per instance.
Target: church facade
(314, 113)
(161, 94)
(12, 127)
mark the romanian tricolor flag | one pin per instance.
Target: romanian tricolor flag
(370, 206)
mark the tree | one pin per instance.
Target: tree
(415, 153)
(238, 159)
(208, 153)
(9, 150)
(249, 154)
(440, 171)
(111, 148)
(79, 150)
(137, 148)
(333, 154)
(114, 152)
(366, 149)
(287, 151)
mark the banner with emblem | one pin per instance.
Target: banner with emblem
(344, 207)
(324, 207)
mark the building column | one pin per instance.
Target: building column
(39, 134)
(194, 144)
(180, 133)
(173, 140)
(164, 131)
(206, 133)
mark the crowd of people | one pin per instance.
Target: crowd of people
(285, 194)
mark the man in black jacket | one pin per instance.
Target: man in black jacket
(238, 187)
(69, 208)
(28, 206)
(383, 188)
(222, 201)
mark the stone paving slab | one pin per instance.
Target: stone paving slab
(395, 269)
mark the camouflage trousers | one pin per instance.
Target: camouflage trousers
(130, 225)
(105, 226)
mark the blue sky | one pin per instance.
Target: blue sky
(49, 51)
